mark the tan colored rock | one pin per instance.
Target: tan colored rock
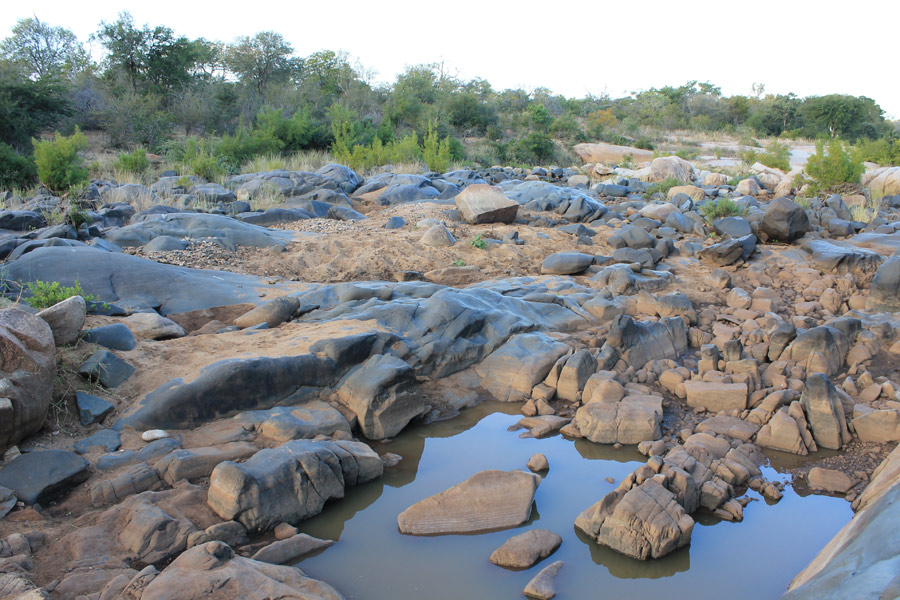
(488, 500)
(525, 550)
(829, 480)
(715, 397)
(782, 433)
(886, 182)
(610, 153)
(716, 179)
(878, 426)
(748, 187)
(538, 462)
(482, 203)
(65, 319)
(541, 586)
(696, 194)
(631, 421)
(153, 326)
(665, 167)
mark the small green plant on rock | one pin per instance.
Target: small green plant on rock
(459, 262)
(478, 242)
(663, 187)
(133, 162)
(44, 294)
(720, 208)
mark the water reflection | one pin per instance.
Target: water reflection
(753, 559)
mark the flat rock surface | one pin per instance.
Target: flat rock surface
(42, 475)
(487, 501)
(526, 549)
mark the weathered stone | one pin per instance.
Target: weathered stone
(291, 549)
(639, 342)
(541, 586)
(115, 337)
(824, 412)
(714, 396)
(153, 326)
(525, 550)
(538, 462)
(438, 236)
(511, 372)
(200, 462)
(730, 426)
(566, 263)
(644, 522)
(878, 426)
(631, 421)
(486, 501)
(829, 480)
(107, 368)
(729, 251)
(782, 433)
(784, 221)
(43, 475)
(285, 423)
(884, 293)
(574, 375)
(481, 203)
(65, 319)
(272, 313)
(665, 167)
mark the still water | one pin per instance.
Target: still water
(372, 560)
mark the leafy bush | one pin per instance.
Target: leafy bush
(435, 152)
(778, 156)
(535, 148)
(478, 242)
(720, 208)
(663, 187)
(59, 167)
(199, 157)
(44, 294)
(133, 162)
(885, 152)
(16, 171)
(833, 166)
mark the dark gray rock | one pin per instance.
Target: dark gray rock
(346, 178)
(631, 236)
(884, 293)
(730, 251)
(166, 243)
(395, 223)
(116, 336)
(344, 213)
(107, 439)
(404, 193)
(43, 475)
(566, 263)
(784, 221)
(836, 203)
(274, 216)
(379, 393)
(286, 183)
(107, 368)
(639, 342)
(824, 412)
(212, 192)
(732, 226)
(198, 226)
(21, 220)
(92, 409)
(841, 258)
(824, 349)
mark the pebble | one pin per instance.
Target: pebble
(151, 435)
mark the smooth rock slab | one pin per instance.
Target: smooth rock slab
(633, 420)
(153, 326)
(115, 337)
(829, 480)
(481, 203)
(291, 549)
(107, 439)
(714, 396)
(65, 319)
(566, 263)
(487, 501)
(730, 426)
(527, 549)
(43, 475)
(92, 409)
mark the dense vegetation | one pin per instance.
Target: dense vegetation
(214, 106)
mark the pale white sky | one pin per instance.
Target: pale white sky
(573, 48)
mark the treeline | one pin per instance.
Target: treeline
(221, 104)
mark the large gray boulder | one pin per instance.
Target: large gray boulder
(198, 226)
(643, 522)
(841, 258)
(884, 293)
(28, 371)
(66, 319)
(824, 412)
(481, 203)
(566, 263)
(486, 501)
(289, 483)
(639, 342)
(43, 475)
(511, 371)
(379, 392)
(784, 221)
(632, 420)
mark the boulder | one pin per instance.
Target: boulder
(609, 153)
(28, 371)
(824, 412)
(639, 342)
(878, 426)
(830, 257)
(566, 263)
(212, 571)
(782, 432)
(107, 368)
(289, 483)
(487, 501)
(285, 423)
(379, 392)
(884, 293)
(525, 550)
(542, 586)
(748, 187)
(643, 522)
(631, 421)
(196, 463)
(273, 313)
(885, 183)
(65, 319)
(115, 337)
(481, 203)
(829, 480)
(784, 221)
(574, 375)
(665, 167)
(731, 426)
(714, 396)
(153, 326)
(729, 251)
(40, 476)
(92, 409)
(291, 549)
(438, 236)
(510, 372)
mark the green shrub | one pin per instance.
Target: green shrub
(44, 294)
(833, 166)
(198, 157)
(719, 208)
(778, 156)
(133, 162)
(885, 152)
(478, 242)
(16, 171)
(59, 167)
(235, 150)
(535, 148)
(436, 152)
(663, 187)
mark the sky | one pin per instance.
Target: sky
(573, 48)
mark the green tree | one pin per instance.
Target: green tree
(28, 107)
(45, 51)
(262, 59)
(840, 115)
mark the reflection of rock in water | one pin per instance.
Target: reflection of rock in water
(624, 567)
(591, 451)
(329, 524)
